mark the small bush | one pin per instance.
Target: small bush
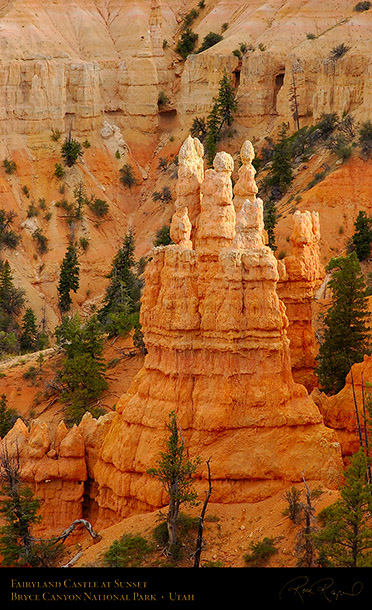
(9, 166)
(365, 138)
(127, 176)
(260, 552)
(209, 41)
(59, 172)
(32, 210)
(30, 374)
(42, 241)
(55, 135)
(163, 163)
(84, 243)
(310, 36)
(86, 144)
(162, 99)
(99, 207)
(338, 51)
(162, 237)
(165, 196)
(362, 6)
(165, 44)
(42, 203)
(26, 190)
(189, 18)
(186, 43)
(128, 552)
(71, 151)
(318, 177)
(293, 496)
(201, 4)
(118, 154)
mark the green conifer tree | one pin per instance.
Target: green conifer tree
(281, 174)
(222, 113)
(362, 238)
(8, 416)
(120, 311)
(29, 335)
(175, 471)
(69, 278)
(71, 151)
(83, 369)
(345, 335)
(345, 540)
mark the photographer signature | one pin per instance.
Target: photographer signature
(301, 587)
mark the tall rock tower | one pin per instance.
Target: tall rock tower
(218, 355)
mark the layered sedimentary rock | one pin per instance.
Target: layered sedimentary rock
(57, 465)
(345, 411)
(218, 355)
(301, 274)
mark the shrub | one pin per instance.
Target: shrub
(117, 154)
(186, 43)
(294, 506)
(8, 416)
(55, 135)
(26, 190)
(201, 4)
(162, 98)
(318, 177)
(165, 44)
(162, 237)
(71, 151)
(199, 128)
(32, 210)
(209, 41)
(260, 552)
(338, 51)
(84, 243)
(189, 18)
(163, 163)
(9, 166)
(365, 138)
(165, 196)
(310, 36)
(99, 207)
(127, 176)
(128, 552)
(86, 144)
(362, 6)
(42, 241)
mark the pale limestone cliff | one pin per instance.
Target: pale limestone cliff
(218, 354)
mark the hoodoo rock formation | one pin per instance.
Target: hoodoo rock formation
(218, 355)
(300, 275)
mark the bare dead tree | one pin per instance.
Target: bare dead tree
(199, 542)
(366, 433)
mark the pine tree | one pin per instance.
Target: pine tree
(175, 471)
(11, 298)
(71, 151)
(83, 369)
(29, 335)
(222, 113)
(8, 416)
(69, 278)
(270, 219)
(120, 311)
(346, 536)
(281, 175)
(362, 238)
(345, 334)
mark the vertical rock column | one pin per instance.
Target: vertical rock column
(301, 274)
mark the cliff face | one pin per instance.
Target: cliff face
(218, 355)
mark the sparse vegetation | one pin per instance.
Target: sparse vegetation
(260, 552)
(41, 241)
(362, 238)
(165, 195)
(9, 166)
(8, 416)
(8, 237)
(69, 278)
(127, 176)
(362, 6)
(162, 99)
(186, 43)
(128, 552)
(365, 139)
(56, 134)
(32, 210)
(209, 41)
(99, 207)
(338, 51)
(71, 151)
(222, 113)
(162, 236)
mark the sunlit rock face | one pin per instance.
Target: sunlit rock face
(218, 355)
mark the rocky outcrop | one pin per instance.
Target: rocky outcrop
(300, 276)
(218, 355)
(57, 465)
(345, 411)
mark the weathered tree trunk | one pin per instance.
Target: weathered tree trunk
(199, 541)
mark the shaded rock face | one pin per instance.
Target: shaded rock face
(301, 274)
(58, 465)
(218, 355)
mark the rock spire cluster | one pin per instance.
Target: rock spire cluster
(218, 355)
